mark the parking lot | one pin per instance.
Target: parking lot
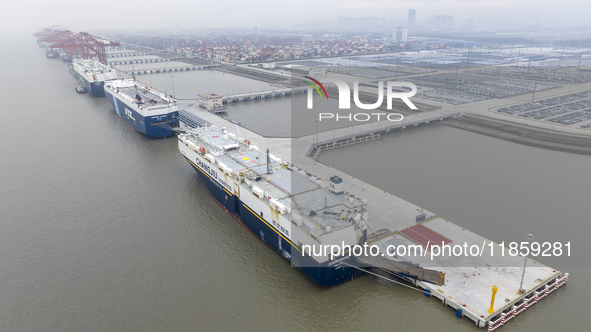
(539, 73)
(472, 88)
(568, 109)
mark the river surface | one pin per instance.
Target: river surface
(104, 229)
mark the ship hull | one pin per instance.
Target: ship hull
(321, 273)
(97, 89)
(158, 126)
(72, 71)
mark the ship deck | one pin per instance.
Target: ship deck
(288, 185)
(150, 97)
(92, 66)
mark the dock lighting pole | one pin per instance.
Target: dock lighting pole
(173, 93)
(530, 237)
(316, 132)
(495, 288)
(468, 61)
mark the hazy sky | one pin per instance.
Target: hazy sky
(83, 15)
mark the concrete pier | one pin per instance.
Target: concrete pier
(339, 138)
(126, 54)
(168, 70)
(136, 61)
(262, 95)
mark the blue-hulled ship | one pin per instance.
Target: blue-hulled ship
(278, 202)
(145, 109)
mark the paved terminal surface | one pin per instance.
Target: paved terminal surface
(469, 279)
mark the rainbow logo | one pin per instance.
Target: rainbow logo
(316, 87)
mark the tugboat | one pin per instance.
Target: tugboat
(81, 89)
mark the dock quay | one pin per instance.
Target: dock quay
(169, 69)
(125, 54)
(262, 95)
(467, 288)
(131, 62)
(143, 61)
(382, 128)
(192, 120)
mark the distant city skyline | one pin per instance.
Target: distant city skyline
(412, 17)
(108, 14)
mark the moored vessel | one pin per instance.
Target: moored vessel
(93, 75)
(278, 202)
(145, 109)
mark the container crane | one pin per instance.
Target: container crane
(86, 46)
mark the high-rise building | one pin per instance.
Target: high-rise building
(400, 34)
(412, 15)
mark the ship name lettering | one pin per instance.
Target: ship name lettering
(209, 170)
(129, 114)
(281, 228)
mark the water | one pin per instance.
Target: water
(104, 229)
(282, 116)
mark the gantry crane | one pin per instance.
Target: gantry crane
(86, 46)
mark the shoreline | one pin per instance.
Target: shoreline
(515, 133)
